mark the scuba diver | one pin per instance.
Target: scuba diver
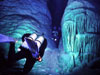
(32, 48)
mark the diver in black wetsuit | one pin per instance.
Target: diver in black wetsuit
(39, 45)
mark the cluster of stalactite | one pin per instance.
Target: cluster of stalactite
(81, 32)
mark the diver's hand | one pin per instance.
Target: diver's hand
(39, 59)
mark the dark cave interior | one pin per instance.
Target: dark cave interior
(56, 8)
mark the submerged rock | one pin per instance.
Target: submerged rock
(80, 32)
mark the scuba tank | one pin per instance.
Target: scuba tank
(34, 42)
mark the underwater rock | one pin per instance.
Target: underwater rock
(81, 32)
(60, 46)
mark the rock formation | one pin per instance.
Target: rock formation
(81, 32)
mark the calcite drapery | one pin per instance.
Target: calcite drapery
(81, 33)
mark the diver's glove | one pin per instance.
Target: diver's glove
(39, 59)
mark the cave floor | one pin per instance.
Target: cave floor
(49, 66)
(17, 71)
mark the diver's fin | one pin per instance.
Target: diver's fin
(6, 39)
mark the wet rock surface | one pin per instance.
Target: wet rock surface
(80, 32)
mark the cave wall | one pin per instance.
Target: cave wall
(80, 33)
